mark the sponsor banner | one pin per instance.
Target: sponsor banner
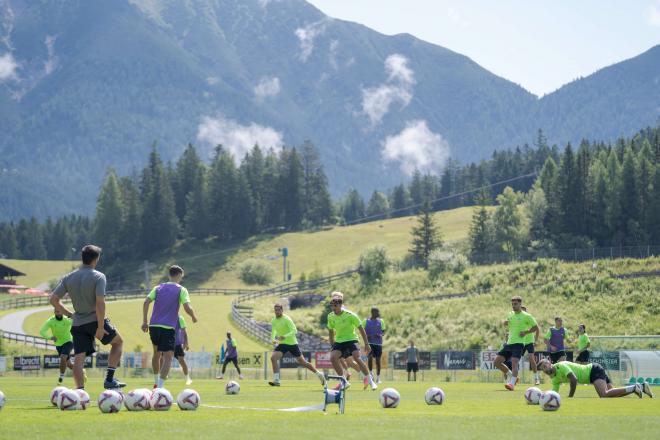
(546, 355)
(322, 359)
(51, 361)
(88, 362)
(400, 360)
(610, 360)
(487, 360)
(3, 364)
(137, 360)
(251, 360)
(288, 361)
(25, 363)
(455, 360)
(199, 359)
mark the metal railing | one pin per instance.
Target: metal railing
(35, 341)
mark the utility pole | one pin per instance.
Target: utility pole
(285, 253)
(146, 269)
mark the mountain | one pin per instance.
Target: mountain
(89, 84)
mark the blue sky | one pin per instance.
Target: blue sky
(540, 45)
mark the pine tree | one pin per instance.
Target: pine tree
(549, 183)
(613, 216)
(131, 222)
(416, 191)
(630, 197)
(187, 168)
(223, 185)
(291, 189)
(597, 202)
(253, 167)
(8, 243)
(536, 208)
(399, 201)
(317, 204)
(426, 236)
(569, 193)
(353, 207)
(482, 234)
(654, 208)
(509, 233)
(109, 215)
(196, 220)
(378, 206)
(34, 241)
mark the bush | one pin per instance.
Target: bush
(458, 263)
(373, 265)
(256, 272)
(442, 261)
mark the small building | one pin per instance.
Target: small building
(7, 282)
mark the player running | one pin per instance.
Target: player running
(167, 299)
(583, 345)
(342, 326)
(86, 288)
(569, 372)
(231, 355)
(60, 329)
(529, 342)
(554, 339)
(283, 336)
(520, 324)
(375, 328)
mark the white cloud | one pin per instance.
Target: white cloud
(654, 14)
(416, 147)
(211, 80)
(456, 16)
(376, 101)
(51, 63)
(306, 36)
(237, 138)
(8, 67)
(332, 56)
(268, 86)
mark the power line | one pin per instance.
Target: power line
(451, 196)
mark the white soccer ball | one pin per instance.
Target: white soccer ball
(55, 394)
(2, 399)
(138, 400)
(434, 396)
(550, 401)
(532, 395)
(232, 387)
(68, 400)
(110, 401)
(389, 398)
(188, 400)
(83, 399)
(161, 400)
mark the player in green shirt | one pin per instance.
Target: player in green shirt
(569, 372)
(530, 340)
(342, 326)
(283, 336)
(583, 344)
(60, 329)
(520, 324)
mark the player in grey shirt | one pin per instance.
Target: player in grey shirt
(86, 288)
(412, 355)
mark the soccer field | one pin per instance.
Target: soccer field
(470, 411)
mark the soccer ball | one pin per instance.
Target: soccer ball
(54, 395)
(110, 401)
(2, 399)
(434, 396)
(83, 402)
(68, 400)
(161, 400)
(389, 398)
(137, 400)
(188, 400)
(232, 387)
(550, 401)
(532, 395)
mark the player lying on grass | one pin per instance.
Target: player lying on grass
(284, 338)
(60, 327)
(342, 326)
(569, 372)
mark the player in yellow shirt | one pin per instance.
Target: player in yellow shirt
(60, 329)
(583, 345)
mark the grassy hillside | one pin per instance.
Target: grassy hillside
(329, 251)
(38, 272)
(578, 292)
(213, 313)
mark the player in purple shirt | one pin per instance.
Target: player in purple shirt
(375, 328)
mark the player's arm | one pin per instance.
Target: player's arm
(185, 339)
(574, 382)
(531, 330)
(546, 339)
(145, 313)
(184, 298)
(44, 330)
(273, 333)
(100, 308)
(363, 334)
(291, 330)
(56, 299)
(331, 336)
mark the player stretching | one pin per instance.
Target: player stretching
(529, 342)
(181, 346)
(167, 299)
(520, 324)
(569, 372)
(283, 336)
(342, 324)
(554, 338)
(375, 327)
(60, 327)
(86, 288)
(583, 345)
(231, 355)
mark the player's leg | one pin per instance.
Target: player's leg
(78, 375)
(165, 366)
(156, 362)
(499, 364)
(116, 342)
(335, 359)
(415, 369)
(603, 390)
(529, 348)
(304, 363)
(235, 362)
(275, 362)
(370, 360)
(562, 356)
(63, 361)
(83, 343)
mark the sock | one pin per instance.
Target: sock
(156, 376)
(276, 377)
(110, 374)
(188, 376)
(512, 380)
(631, 388)
(61, 375)
(80, 388)
(160, 382)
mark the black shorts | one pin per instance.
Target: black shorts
(346, 348)
(163, 339)
(528, 348)
(583, 357)
(511, 351)
(178, 351)
(554, 357)
(65, 349)
(286, 348)
(412, 366)
(598, 372)
(376, 350)
(83, 336)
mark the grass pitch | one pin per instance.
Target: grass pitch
(470, 411)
